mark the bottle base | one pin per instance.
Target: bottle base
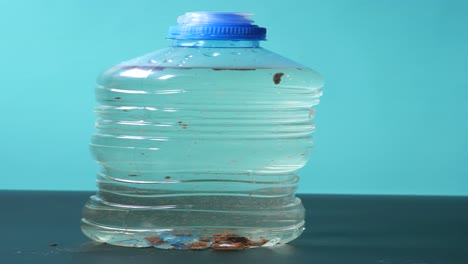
(192, 238)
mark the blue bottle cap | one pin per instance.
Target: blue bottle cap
(216, 25)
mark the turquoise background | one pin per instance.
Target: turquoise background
(393, 118)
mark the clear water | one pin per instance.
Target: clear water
(200, 157)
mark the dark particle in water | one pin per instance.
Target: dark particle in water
(155, 240)
(53, 245)
(198, 245)
(117, 98)
(230, 241)
(230, 237)
(227, 246)
(260, 243)
(133, 175)
(182, 124)
(167, 177)
(277, 77)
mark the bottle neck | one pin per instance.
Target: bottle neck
(216, 43)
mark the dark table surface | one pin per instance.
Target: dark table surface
(43, 227)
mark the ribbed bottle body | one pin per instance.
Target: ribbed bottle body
(195, 143)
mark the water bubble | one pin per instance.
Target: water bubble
(181, 63)
(168, 61)
(188, 56)
(212, 54)
(236, 53)
(153, 61)
(311, 113)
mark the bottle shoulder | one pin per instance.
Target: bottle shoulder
(194, 57)
(216, 59)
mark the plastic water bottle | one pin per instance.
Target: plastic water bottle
(199, 143)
